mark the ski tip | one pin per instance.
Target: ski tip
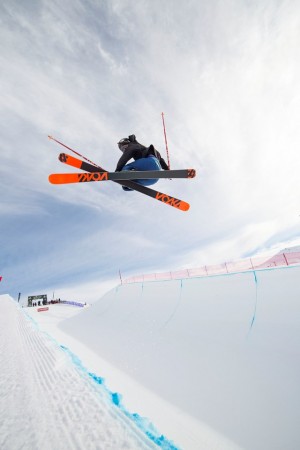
(50, 137)
(184, 206)
(56, 178)
(50, 179)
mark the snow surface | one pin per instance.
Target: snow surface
(212, 363)
(46, 402)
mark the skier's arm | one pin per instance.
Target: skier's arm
(152, 151)
(163, 164)
(127, 155)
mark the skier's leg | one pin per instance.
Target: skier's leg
(149, 163)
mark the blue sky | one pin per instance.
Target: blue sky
(226, 74)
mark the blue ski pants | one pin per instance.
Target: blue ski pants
(149, 163)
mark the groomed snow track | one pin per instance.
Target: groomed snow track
(46, 402)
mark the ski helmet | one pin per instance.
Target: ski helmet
(123, 144)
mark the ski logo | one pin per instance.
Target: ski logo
(172, 201)
(96, 176)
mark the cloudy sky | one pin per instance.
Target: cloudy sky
(225, 73)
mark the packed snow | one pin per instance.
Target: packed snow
(205, 363)
(46, 402)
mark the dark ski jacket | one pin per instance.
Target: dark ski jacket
(136, 151)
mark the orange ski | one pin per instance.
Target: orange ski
(63, 178)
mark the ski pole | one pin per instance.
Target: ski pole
(74, 151)
(162, 114)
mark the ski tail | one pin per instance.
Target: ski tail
(191, 173)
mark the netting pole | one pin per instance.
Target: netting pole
(167, 150)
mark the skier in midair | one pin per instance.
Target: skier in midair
(145, 158)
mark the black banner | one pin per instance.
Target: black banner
(42, 297)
